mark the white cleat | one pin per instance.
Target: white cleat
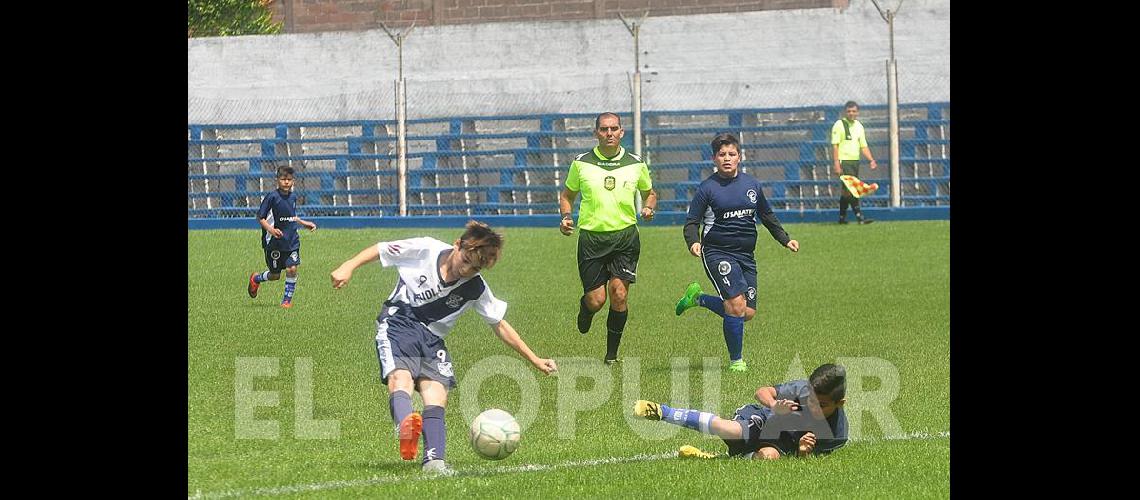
(437, 467)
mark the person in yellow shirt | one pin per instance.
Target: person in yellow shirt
(848, 139)
(609, 178)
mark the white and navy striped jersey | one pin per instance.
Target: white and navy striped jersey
(422, 293)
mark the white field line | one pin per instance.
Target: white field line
(484, 471)
(917, 435)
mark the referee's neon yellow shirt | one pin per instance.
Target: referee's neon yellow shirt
(609, 188)
(849, 149)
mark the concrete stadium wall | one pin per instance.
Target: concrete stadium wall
(782, 58)
(307, 16)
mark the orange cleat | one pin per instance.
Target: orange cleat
(409, 434)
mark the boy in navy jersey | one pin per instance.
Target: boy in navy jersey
(279, 238)
(778, 426)
(728, 204)
(435, 284)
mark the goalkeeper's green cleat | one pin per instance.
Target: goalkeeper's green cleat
(690, 300)
(738, 366)
(647, 409)
(687, 451)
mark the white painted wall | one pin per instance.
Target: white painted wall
(712, 61)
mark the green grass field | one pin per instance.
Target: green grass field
(877, 296)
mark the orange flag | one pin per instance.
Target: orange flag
(856, 187)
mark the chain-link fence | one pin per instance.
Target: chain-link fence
(479, 142)
(516, 165)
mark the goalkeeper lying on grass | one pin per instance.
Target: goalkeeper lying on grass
(800, 417)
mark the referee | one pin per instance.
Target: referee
(847, 139)
(609, 178)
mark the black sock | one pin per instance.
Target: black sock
(855, 208)
(615, 325)
(842, 207)
(585, 316)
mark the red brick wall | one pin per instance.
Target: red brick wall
(306, 16)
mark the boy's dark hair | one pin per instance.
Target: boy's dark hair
(284, 170)
(598, 120)
(482, 240)
(830, 380)
(851, 104)
(722, 139)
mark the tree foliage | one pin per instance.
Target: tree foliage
(229, 18)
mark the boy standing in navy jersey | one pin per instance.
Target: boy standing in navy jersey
(279, 238)
(728, 204)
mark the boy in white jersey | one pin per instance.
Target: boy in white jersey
(436, 283)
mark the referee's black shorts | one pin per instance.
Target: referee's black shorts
(605, 255)
(848, 167)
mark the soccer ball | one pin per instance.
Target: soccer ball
(495, 434)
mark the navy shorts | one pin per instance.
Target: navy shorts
(762, 428)
(731, 273)
(752, 418)
(402, 343)
(277, 260)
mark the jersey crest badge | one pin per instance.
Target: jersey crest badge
(610, 183)
(752, 195)
(444, 365)
(454, 301)
(445, 369)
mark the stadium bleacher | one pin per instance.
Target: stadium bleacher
(514, 165)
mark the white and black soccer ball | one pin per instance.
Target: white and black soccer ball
(495, 434)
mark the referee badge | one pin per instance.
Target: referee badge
(610, 183)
